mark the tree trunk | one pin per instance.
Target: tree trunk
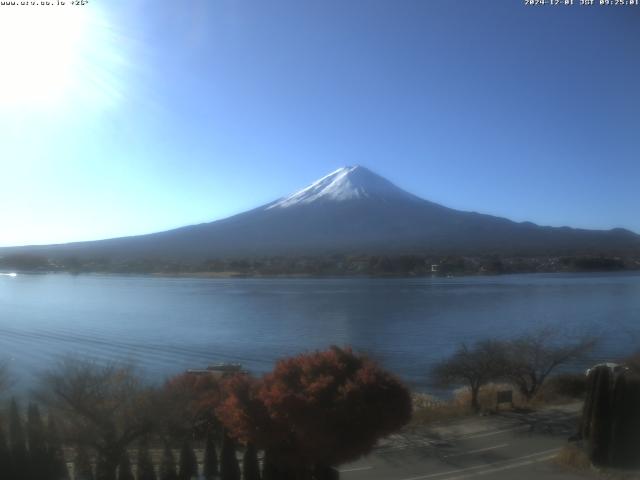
(188, 462)
(528, 392)
(106, 467)
(269, 469)
(124, 469)
(168, 465)
(533, 388)
(229, 469)
(475, 405)
(210, 467)
(82, 465)
(250, 467)
(145, 469)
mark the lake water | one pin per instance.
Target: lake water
(169, 324)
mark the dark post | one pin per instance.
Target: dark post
(610, 424)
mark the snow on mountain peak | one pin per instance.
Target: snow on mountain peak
(346, 183)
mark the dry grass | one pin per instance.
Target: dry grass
(574, 458)
(487, 397)
(562, 388)
(428, 410)
(558, 390)
(617, 475)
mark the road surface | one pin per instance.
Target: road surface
(503, 446)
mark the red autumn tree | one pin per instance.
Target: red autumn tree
(245, 417)
(317, 410)
(191, 400)
(243, 413)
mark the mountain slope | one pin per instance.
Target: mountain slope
(351, 210)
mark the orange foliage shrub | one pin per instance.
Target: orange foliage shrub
(322, 408)
(191, 401)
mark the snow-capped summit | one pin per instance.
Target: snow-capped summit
(350, 211)
(345, 183)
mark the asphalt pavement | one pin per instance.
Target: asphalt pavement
(508, 445)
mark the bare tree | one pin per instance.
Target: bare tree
(532, 357)
(473, 367)
(103, 407)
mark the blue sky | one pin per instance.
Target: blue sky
(136, 116)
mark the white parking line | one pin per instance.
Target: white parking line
(433, 442)
(488, 434)
(475, 451)
(499, 469)
(354, 469)
(544, 456)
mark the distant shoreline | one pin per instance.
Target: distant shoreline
(330, 266)
(240, 275)
(399, 276)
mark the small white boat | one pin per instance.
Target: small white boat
(12, 274)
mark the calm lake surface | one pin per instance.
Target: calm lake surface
(169, 324)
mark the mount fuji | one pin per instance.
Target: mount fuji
(351, 210)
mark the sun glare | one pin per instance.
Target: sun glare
(51, 54)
